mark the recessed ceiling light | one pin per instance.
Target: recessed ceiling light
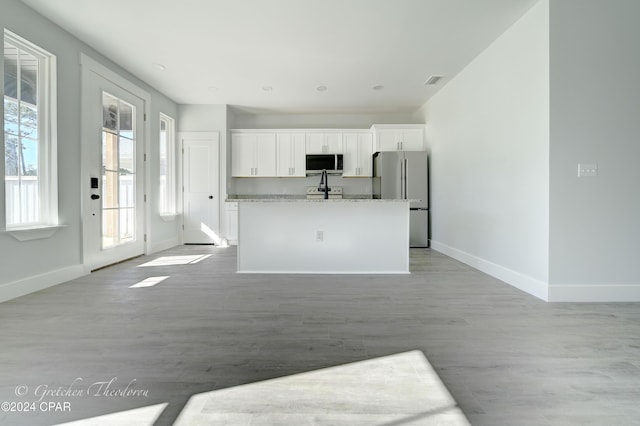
(213, 89)
(321, 88)
(432, 80)
(159, 67)
(378, 87)
(267, 88)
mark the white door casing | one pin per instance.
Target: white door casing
(200, 182)
(96, 81)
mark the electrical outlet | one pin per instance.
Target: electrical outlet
(587, 170)
(319, 236)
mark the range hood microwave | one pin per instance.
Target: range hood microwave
(316, 163)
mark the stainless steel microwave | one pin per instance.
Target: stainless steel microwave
(316, 163)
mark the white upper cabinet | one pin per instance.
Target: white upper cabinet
(266, 155)
(358, 153)
(399, 137)
(253, 154)
(281, 152)
(324, 143)
(290, 155)
(242, 154)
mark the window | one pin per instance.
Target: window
(167, 166)
(30, 154)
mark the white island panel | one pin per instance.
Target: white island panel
(323, 237)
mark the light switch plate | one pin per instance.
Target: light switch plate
(587, 170)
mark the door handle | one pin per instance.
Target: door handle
(211, 197)
(95, 196)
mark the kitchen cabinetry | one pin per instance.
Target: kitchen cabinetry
(399, 138)
(253, 154)
(358, 153)
(232, 223)
(290, 152)
(324, 143)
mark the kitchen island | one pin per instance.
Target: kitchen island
(335, 236)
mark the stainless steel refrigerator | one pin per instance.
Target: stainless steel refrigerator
(405, 175)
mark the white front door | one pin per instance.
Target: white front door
(113, 172)
(200, 188)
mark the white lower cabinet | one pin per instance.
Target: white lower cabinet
(232, 223)
(290, 151)
(253, 154)
(358, 153)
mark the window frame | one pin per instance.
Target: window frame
(168, 208)
(47, 140)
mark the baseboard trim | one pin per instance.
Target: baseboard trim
(35, 283)
(164, 245)
(284, 272)
(516, 279)
(594, 293)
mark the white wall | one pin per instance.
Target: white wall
(487, 131)
(244, 120)
(202, 118)
(595, 118)
(31, 265)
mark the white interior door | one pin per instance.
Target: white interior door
(200, 188)
(113, 172)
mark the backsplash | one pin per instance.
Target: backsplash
(296, 186)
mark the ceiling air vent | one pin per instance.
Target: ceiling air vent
(432, 80)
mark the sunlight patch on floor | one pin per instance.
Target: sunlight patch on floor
(149, 282)
(176, 260)
(396, 390)
(143, 416)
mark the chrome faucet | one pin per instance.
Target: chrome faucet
(324, 184)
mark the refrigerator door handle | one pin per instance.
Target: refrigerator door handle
(403, 176)
(406, 164)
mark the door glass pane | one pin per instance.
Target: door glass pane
(109, 112)
(118, 168)
(110, 227)
(126, 120)
(110, 190)
(126, 157)
(127, 225)
(110, 151)
(127, 191)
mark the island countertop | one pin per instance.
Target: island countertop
(303, 199)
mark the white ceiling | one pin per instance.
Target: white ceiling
(237, 47)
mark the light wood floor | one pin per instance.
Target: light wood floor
(506, 357)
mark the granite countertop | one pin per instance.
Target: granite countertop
(287, 198)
